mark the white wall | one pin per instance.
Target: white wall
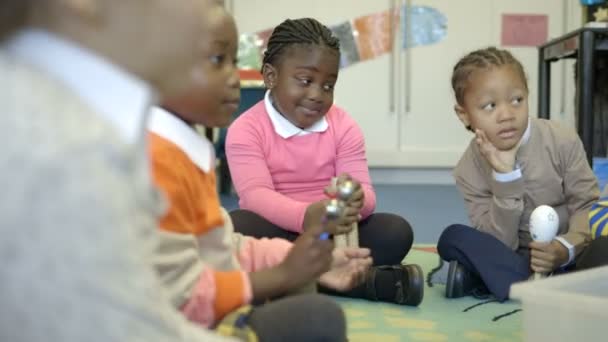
(423, 145)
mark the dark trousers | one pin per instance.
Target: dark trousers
(595, 255)
(389, 237)
(309, 317)
(496, 264)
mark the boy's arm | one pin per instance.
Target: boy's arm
(203, 293)
(494, 208)
(257, 254)
(351, 159)
(253, 182)
(581, 191)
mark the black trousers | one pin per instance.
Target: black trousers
(388, 236)
(595, 255)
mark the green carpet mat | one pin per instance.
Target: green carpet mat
(436, 319)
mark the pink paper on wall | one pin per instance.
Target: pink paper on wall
(524, 29)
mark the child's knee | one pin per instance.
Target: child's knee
(404, 231)
(326, 318)
(397, 231)
(306, 317)
(389, 236)
(449, 237)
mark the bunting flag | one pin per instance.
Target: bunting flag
(363, 38)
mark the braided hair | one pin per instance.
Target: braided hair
(482, 59)
(304, 31)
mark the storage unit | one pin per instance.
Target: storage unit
(572, 307)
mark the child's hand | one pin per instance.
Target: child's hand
(547, 256)
(351, 213)
(345, 223)
(356, 199)
(306, 261)
(501, 161)
(349, 268)
(315, 214)
(308, 258)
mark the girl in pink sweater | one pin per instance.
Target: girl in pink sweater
(285, 150)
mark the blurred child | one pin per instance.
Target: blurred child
(213, 273)
(78, 214)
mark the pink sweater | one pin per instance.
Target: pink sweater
(278, 178)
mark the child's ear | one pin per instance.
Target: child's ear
(462, 114)
(269, 72)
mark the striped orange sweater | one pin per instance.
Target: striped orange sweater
(201, 260)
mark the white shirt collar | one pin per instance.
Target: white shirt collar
(285, 128)
(197, 147)
(111, 92)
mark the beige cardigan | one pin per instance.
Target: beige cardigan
(554, 171)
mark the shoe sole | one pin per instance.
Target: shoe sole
(450, 291)
(418, 284)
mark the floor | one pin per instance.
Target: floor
(429, 209)
(436, 319)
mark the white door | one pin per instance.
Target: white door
(431, 135)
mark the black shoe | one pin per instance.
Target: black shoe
(462, 283)
(439, 274)
(400, 284)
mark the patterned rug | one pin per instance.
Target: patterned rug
(436, 319)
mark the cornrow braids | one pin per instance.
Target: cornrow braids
(295, 32)
(481, 59)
